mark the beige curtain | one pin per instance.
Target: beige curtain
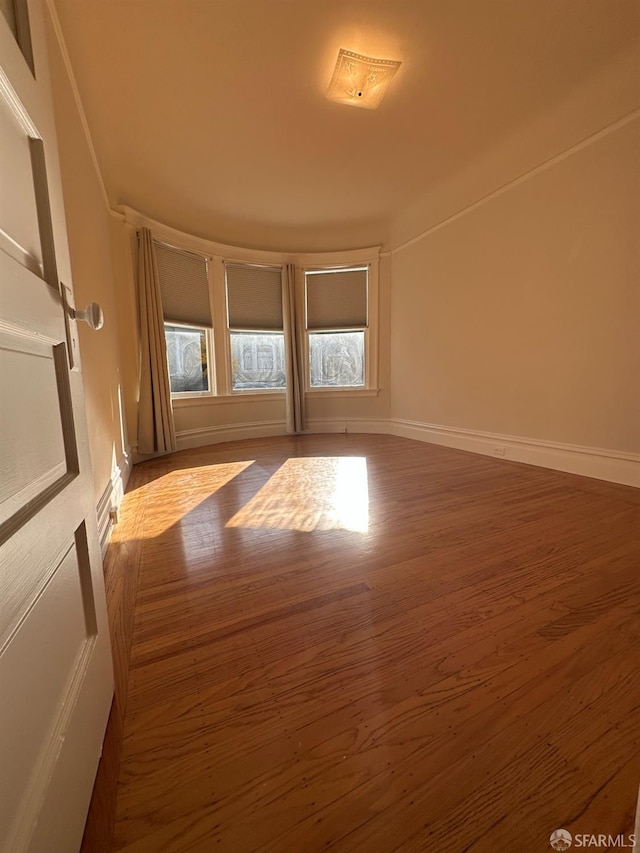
(156, 431)
(295, 374)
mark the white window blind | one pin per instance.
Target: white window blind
(337, 300)
(254, 298)
(184, 286)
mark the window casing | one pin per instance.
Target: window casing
(188, 320)
(340, 329)
(255, 326)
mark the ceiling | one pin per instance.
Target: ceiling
(210, 115)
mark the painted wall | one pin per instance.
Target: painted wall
(90, 250)
(521, 315)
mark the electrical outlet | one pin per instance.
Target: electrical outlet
(499, 451)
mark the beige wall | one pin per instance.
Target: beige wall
(123, 247)
(90, 250)
(522, 315)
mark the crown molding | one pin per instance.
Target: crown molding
(57, 28)
(525, 176)
(212, 249)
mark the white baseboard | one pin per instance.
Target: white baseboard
(611, 465)
(112, 498)
(229, 432)
(347, 425)
(260, 429)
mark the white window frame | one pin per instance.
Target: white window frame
(226, 349)
(370, 386)
(180, 243)
(208, 340)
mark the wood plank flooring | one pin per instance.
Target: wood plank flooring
(364, 643)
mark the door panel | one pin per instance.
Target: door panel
(55, 659)
(38, 707)
(32, 451)
(19, 231)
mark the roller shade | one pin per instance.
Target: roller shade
(184, 286)
(254, 298)
(337, 300)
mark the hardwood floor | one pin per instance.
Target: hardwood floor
(364, 643)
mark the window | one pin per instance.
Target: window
(188, 358)
(257, 360)
(336, 359)
(256, 336)
(337, 326)
(184, 285)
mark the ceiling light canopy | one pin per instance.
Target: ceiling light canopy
(361, 80)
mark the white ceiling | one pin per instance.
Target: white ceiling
(210, 115)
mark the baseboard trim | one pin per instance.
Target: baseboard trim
(610, 465)
(112, 498)
(260, 429)
(189, 438)
(346, 425)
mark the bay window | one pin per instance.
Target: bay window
(236, 320)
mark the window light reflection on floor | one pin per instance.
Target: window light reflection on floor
(311, 493)
(182, 501)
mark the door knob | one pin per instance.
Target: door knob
(92, 315)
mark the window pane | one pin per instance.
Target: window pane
(336, 359)
(257, 360)
(187, 356)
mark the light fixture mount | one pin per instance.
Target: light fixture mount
(361, 80)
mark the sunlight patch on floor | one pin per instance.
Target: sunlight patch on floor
(311, 493)
(184, 490)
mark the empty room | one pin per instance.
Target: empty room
(320, 467)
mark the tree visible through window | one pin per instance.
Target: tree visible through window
(336, 359)
(257, 360)
(337, 321)
(330, 314)
(187, 357)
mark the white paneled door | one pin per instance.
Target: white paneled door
(55, 658)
